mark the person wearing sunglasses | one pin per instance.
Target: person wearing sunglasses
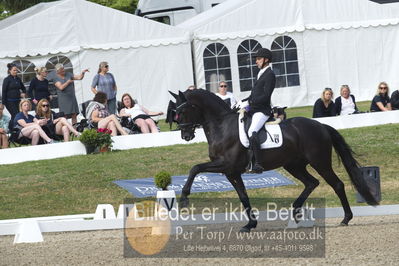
(28, 126)
(56, 125)
(105, 82)
(381, 100)
(225, 95)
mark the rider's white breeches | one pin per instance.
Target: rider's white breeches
(258, 121)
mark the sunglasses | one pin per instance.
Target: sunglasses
(106, 66)
(45, 105)
(223, 86)
(383, 88)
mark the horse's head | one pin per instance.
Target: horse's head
(188, 116)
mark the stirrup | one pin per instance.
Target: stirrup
(254, 168)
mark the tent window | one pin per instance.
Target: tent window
(50, 65)
(285, 62)
(26, 71)
(247, 68)
(217, 66)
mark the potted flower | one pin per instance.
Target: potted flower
(96, 139)
(166, 198)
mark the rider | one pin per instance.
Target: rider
(259, 104)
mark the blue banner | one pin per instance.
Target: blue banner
(204, 182)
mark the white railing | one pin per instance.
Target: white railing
(58, 150)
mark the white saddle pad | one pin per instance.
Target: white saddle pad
(274, 136)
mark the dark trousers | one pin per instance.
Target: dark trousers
(13, 109)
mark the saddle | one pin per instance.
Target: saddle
(270, 135)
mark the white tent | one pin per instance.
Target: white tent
(147, 58)
(327, 44)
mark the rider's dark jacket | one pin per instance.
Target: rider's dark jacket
(259, 100)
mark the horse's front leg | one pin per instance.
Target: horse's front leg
(217, 166)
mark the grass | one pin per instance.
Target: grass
(77, 184)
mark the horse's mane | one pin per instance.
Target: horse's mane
(208, 100)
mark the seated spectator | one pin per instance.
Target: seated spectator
(4, 123)
(395, 100)
(28, 126)
(381, 101)
(98, 115)
(225, 95)
(345, 104)
(139, 114)
(38, 88)
(56, 125)
(324, 106)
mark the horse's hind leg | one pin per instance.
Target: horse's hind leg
(238, 184)
(332, 179)
(298, 170)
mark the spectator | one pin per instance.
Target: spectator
(225, 95)
(56, 125)
(345, 104)
(4, 124)
(105, 82)
(98, 115)
(38, 88)
(395, 100)
(139, 114)
(192, 87)
(28, 126)
(324, 106)
(12, 92)
(64, 82)
(381, 101)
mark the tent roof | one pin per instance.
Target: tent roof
(248, 18)
(70, 25)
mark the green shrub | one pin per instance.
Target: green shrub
(89, 137)
(162, 180)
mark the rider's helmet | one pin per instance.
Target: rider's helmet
(264, 52)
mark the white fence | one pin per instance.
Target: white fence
(58, 150)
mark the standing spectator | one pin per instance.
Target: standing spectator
(13, 91)
(105, 82)
(38, 88)
(324, 106)
(381, 100)
(28, 126)
(55, 125)
(225, 95)
(98, 115)
(345, 104)
(139, 114)
(64, 82)
(4, 124)
(395, 100)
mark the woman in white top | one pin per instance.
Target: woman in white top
(139, 114)
(225, 95)
(345, 104)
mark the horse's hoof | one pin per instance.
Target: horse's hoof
(245, 230)
(343, 223)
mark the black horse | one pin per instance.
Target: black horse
(305, 141)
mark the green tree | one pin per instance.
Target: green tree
(11, 7)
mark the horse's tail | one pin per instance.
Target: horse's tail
(351, 165)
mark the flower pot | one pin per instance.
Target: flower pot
(90, 149)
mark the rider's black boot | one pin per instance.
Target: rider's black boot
(254, 166)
